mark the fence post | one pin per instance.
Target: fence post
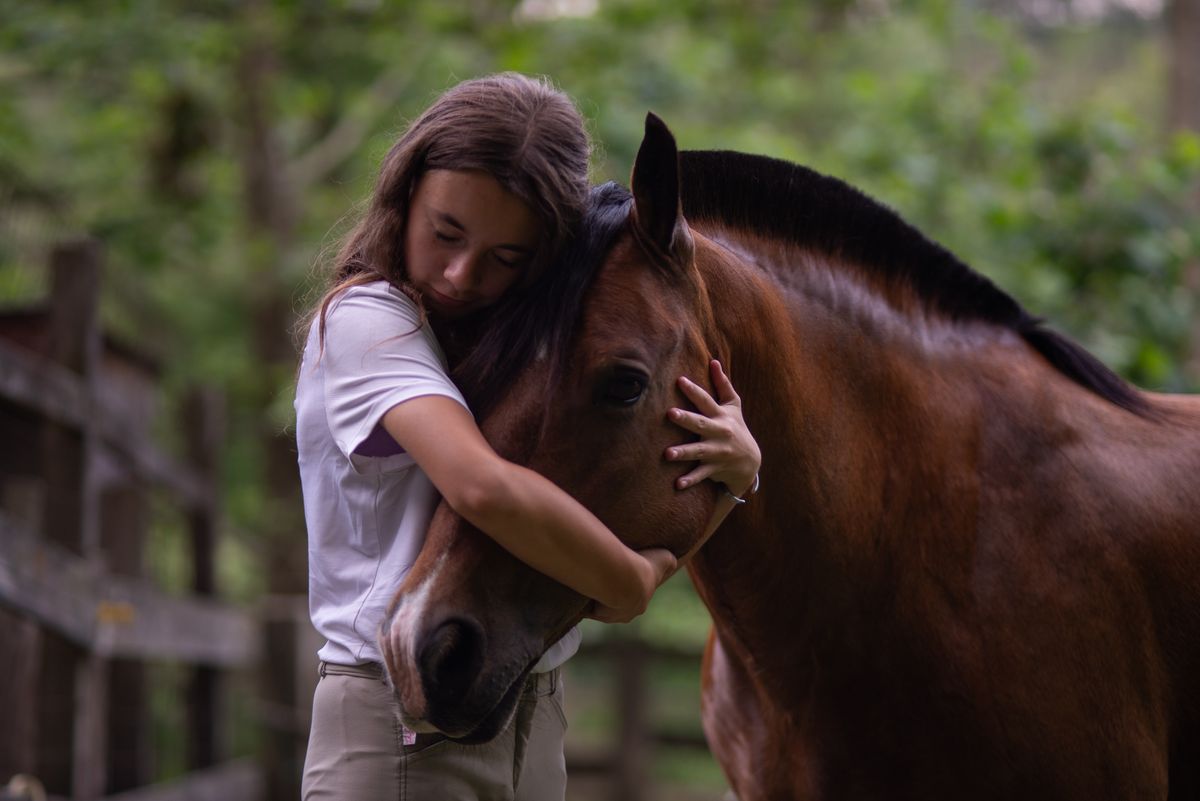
(281, 746)
(71, 697)
(20, 659)
(203, 424)
(71, 515)
(124, 517)
(19, 666)
(633, 737)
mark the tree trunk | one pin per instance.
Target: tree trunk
(1183, 114)
(270, 231)
(270, 210)
(1183, 32)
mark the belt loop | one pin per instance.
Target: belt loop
(321, 670)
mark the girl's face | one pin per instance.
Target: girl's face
(467, 240)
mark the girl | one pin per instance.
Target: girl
(474, 200)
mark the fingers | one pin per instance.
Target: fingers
(690, 421)
(662, 560)
(702, 451)
(704, 403)
(605, 614)
(725, 391)
(609, 614)
(726, 451)
(701, 472)
(663, 565)
(699, 396)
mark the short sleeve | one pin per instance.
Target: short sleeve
(377, 354)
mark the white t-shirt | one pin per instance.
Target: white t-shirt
(366, 502)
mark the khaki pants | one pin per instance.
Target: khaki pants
(356, 751)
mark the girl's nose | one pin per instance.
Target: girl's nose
(462, 273)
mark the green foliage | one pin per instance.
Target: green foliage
(1036, 158)
(1033, 153)
(125, 124)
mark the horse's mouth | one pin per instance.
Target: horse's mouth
(487, 726)
(478, 728)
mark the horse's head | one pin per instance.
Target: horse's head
(590, 414)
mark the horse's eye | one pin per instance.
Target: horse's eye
(622, 389)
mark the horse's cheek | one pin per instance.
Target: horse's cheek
(675, 520)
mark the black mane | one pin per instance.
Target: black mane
(820, 213)
(783, 200)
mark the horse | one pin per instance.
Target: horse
(973, 568)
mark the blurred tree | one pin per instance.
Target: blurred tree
(269, 229)
(1183, 107)
(217, 148)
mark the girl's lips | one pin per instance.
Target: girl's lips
(446, 301)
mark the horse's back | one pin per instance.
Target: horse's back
(1097, 552)
(1179, 413)
(1171, 572)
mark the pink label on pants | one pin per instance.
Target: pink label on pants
(408, 736)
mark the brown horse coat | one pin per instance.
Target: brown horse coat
(973, 570)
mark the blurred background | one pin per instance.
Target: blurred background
(172, 173)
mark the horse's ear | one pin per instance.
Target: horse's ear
(657, 214)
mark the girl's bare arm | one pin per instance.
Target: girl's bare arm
(525, 513)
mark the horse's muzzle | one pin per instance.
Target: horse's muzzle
(446, 678)
(449, 658)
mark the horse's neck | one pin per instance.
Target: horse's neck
(904, 459)
(848, 385)
(854, 441)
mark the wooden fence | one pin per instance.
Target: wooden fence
(626, 763)
(78, 622)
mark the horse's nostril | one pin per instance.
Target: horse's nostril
(450, 658)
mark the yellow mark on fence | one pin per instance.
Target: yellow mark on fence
(115, 613)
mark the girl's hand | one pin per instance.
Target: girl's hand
(661, 565)
(727, 452)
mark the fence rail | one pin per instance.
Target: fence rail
(626, 763)
(78, 623)
(116, 616)
(61, 396)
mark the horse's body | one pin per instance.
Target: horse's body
(973, 570)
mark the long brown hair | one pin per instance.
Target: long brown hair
(523, 131)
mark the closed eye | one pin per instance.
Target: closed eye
(507, 262)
